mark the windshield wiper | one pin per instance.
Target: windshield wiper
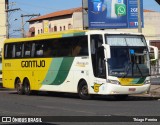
(138, 69)
(127, 70)
(134, 62)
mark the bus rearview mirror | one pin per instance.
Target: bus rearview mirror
(107, 51)
(155, 50)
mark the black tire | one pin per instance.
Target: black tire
(26, 85)
(83, 91)
(19, 87)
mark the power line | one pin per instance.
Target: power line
(10, 13)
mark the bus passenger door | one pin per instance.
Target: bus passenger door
(98, 62)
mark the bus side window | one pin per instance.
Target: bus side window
(5, 50)
(18, 50)
(76, 50)
(39, 50)
(84, 46)
(8, 51)
(13, 52)
(79, 46)
(64, 47)
(27, 49)
(27, 53)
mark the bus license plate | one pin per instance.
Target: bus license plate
(132, 89)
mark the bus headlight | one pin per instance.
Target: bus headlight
(147, 82)
(113, 82)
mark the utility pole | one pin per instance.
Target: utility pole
(139, 16)
(85, 14)
(22, 28)
(7, 11)
(7, 27)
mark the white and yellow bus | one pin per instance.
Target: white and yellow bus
(83, 62)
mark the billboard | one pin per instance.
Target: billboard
(104, 14)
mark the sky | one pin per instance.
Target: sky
(49, 6)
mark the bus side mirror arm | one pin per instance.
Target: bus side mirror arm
(155, 50)
(107, 51)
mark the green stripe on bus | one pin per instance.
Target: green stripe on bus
(63, 71)
(138, 81)
(58, 71)
(141, 81)
(73, 34)
(135, 81)
(53, 70)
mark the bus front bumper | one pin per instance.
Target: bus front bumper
(113, 89)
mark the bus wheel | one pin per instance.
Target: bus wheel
(27, 90)
(83, 91)
(19, 87)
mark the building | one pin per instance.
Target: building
(57, 21)
(2, 23)
(2, 32)
(72, 19)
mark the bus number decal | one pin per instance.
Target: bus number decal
(7, 64)
(33, 63)
(96, 87)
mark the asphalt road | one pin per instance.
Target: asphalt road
(12, 104)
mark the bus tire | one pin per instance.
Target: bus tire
(26, 84)
(19, 87)
(83, 91)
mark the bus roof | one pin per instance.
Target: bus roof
(111, 32)
(61, 34)
(67, 33)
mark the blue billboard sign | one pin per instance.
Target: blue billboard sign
(104, 14)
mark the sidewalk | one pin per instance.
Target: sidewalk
(155, 86)
(155, 90)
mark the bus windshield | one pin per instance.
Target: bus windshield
(129, 56)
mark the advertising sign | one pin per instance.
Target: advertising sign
(104, 14)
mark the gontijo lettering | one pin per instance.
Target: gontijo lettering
(33, 63)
